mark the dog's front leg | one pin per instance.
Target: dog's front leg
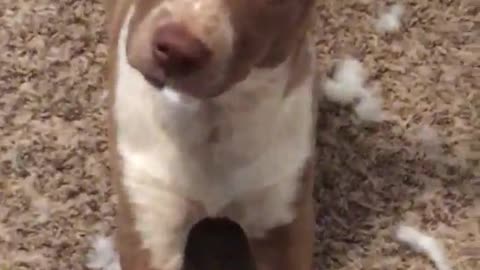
(290, 247)
(153, 226)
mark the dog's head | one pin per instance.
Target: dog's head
(202, 47)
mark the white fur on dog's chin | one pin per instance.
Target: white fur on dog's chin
(251, 175)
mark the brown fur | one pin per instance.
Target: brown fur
(268, 32)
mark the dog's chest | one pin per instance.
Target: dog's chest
(239, 155)
(246, 147)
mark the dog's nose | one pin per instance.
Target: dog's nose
(177, 51)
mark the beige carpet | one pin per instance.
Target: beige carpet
(421, 167)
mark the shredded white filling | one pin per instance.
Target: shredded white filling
(423, 243)
(347, 86)
(390, 21)
(103, 255)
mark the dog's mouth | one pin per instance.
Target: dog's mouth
(193, 87)
(158, 81)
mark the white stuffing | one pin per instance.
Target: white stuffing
(390, 21)
(347, 83)
(43, 208)
(429, 140)
(103, 256)
(428, 135)
(370, 109)
(423, 243)
(347, 86)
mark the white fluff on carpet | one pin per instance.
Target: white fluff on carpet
(370, 109)
(423, 243)
(347, 82)
(347, 86)
(390, 21)
(103, 256)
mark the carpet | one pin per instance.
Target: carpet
(420, 166)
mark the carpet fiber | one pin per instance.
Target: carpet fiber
(419, 167)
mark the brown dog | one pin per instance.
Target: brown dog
(212, 115)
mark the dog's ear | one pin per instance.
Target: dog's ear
(294, 19)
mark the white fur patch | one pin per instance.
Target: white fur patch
(174, 176)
